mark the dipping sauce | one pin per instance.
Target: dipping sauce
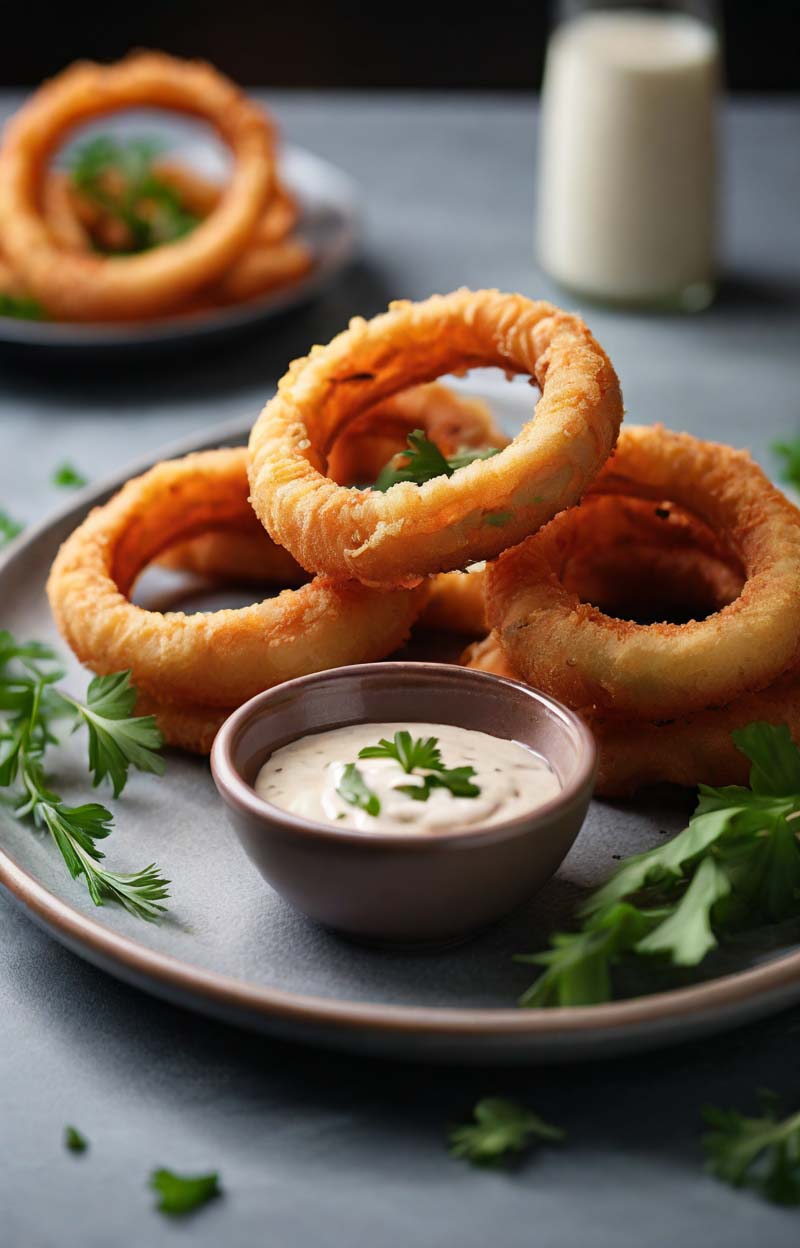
(312, 776)
(627, 174)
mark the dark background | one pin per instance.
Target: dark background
(317, 44)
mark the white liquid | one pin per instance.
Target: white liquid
(304, 778)
(627, 176)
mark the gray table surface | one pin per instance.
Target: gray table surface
(317, 1149)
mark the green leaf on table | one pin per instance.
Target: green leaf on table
(68, 477)
(762, 1153)
(179, 1194)
(9, 529)
(74, 1141)
(501, 1128)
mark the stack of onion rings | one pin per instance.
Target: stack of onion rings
(242, 247)
(661, 697)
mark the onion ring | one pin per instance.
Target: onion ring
(75, 286)
(185, 726)
(597, 663)
(225, 657)
(686, 751)
(411, 531)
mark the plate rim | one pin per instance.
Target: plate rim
(78, 336)
(126, 954)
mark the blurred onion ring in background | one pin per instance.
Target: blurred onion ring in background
(412, 531)
(75, 286)
(575, 652)
(222, 658)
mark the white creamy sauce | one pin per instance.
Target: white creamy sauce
(303, 777)
(627, 178)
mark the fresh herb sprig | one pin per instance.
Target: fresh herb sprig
(501, 1129)
(762, 1153)
(74, 1140)
(9, 529)
(423, 461)
(119, 176)
(789, 453)
(179, 1194)
(67, 476)
(20, 307)
(422, 754)
(354, 790)
(736, 866)
(31, 706)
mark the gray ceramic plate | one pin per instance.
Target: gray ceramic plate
(232, 948)
(328, 223)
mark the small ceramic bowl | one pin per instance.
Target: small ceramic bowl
(404, 887)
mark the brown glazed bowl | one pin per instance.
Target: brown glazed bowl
(402, 887)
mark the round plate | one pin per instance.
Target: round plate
(231, 948)
(328, 223)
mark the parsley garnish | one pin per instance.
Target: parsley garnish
(183, 1193)
(423, 754)
(354, 791)
(497, 519)
(21, 307)
(9, 529)
(736, 866)
(119, 176)
(789, 452)
(407, 751)
(68, 476)
(423, 461)
(117, 741)
(761, 1153)
(74, 1141)
(500, 1128)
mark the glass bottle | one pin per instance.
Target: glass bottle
(628, 167)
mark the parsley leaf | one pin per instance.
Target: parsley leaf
(21, 307)
(118, 739)
(32, 705)
(457, 779)
(409, 753)
(497, 519)
(9, 529)
(761, 1153)
(789, 452)
(68, 477)
(354, 791)
(183, 1193)
(74, 1141)
(423, 461)
(119, 177)
(415, 754)
(735, 867)
(501, 1128)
